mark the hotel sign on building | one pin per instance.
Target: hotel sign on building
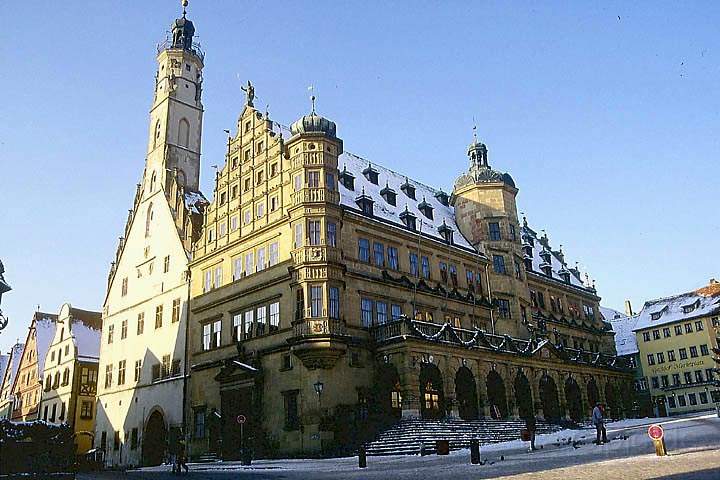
(675, 337)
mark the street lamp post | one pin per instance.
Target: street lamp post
(319, 389)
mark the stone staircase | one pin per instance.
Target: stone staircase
(206, 458)
(406, 436)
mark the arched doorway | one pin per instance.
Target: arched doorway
(154, 440)
(496, 395)
(549, 398)
(573, 398)
(612, 409)
(432, 401)
(388, 397)
(593, 394)
(523, 396)
(466, 394)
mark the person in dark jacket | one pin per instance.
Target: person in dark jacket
(598, 419)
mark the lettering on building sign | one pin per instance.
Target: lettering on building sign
(677, 366)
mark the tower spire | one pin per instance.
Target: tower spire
(184, 6)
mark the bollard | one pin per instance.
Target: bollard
(474, 451)
(362, 457)
(423, 452)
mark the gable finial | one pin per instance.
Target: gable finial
(311, 88)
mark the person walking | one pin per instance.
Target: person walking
(182, 458)
(598, 419)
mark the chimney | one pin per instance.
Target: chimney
(628, 308)
(713, 281)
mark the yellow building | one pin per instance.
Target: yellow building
(676, 336)
(71, 373)
(330, 295)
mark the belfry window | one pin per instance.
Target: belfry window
(184, 133)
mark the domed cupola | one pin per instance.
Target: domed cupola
(480, 170)
(183, 31)
(314, 124)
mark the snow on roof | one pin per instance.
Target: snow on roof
(86, 330)
(44, 334)
(686, 306)
(193, 200)
(389, 213)
(539, 245)
(622, 325)
(14, 362)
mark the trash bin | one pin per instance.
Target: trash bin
(474, 451)
(442, 447)
(246, 457)
(362, 457)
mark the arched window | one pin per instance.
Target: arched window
(156, 135)
(66, 376)
(183, 133)
(148, 219)
(56, 381)
(152, 182)
(181, 178)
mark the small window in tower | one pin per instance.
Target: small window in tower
(187, 67)
(246, 155)
(260, 146)
(247, 129)
(234, 162)
(259, 177)
(273, 169)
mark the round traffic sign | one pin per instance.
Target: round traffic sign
(655, 432)
(241, 419)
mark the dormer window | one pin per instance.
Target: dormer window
(426, 209)
(371, 174)
(446, 232)
(690, 308)
(389, 195)
(365, 203)
(347, 179)
(565, 275)
(409, 219)
(443, 198)
(408, 189)
(528, 263)
(656, 315)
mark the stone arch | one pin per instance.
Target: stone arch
(593, 393)
(466, 394)
(523, 396)
(497, 398)
(573, 399)
(549, 398)
(388, 396)
(155, 435)
(184, 133)
(432, 399)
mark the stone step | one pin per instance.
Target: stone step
(406, 437)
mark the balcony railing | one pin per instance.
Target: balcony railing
(167, 44)
(447, 333)
(315, 253)
(321, 326)
(315, 195)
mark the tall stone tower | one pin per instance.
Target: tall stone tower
(177, 111)
(486, 212)
(142, 367)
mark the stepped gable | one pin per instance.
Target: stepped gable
(387, 213)
(685, 306)
(622, 326)
(557, 258)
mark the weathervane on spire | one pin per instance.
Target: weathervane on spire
(474, 130)
(184, 4)
(250, 91)
(311, 88)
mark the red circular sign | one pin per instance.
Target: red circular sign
(241, 419)
(655, 432)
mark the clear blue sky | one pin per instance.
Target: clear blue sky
(605, 114)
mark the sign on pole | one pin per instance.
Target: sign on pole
(657, 434)
(241, 419)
